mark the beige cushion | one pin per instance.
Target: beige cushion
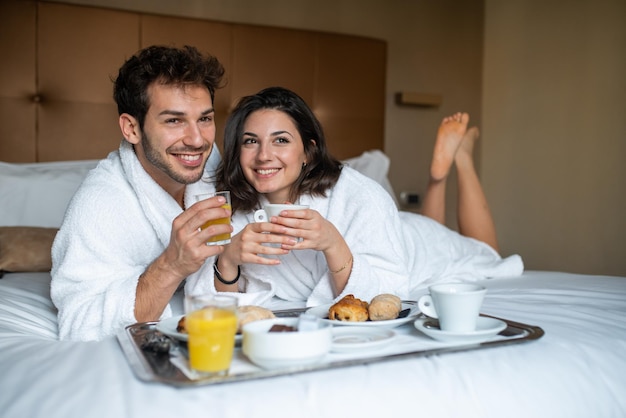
(24, 248)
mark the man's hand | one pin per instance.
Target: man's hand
(185, 254)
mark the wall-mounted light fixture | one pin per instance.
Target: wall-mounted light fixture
(418, 99)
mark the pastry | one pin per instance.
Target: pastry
(349, 309)
(245, 314)
(180, 327)
(251, 313)
(384, 307)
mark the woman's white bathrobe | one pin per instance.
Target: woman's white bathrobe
(395, 252)
(117, 223)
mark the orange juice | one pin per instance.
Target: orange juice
(221, 238)
(211, 339)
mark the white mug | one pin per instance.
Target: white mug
(456, 305)
(274, 209)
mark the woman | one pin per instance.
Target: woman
(351, 239)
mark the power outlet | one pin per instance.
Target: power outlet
(410, 198)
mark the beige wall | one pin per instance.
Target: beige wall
(554, 125)
(547, 87)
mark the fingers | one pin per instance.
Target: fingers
(211, 232)
(278, 236)
(197, 215)
(192, 229)
(207, 215)
(309, 233)
(254, 235)
(186, 252)
(296, 219)
(293, 230)
(250, 246)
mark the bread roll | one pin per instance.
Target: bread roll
(251, 313)
(384, 307)
(349, 309)
(245, 314)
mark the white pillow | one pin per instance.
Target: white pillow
(37, 194)
(375, 165)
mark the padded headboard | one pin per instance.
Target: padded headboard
(58, 61)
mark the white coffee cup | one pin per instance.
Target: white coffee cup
(456, 305)
(274, 209)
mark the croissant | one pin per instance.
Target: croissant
(350, 309)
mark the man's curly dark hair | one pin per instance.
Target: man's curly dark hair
(164, 65)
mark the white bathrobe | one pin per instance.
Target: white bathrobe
(394, 252)
(117, 223)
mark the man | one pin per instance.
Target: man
(131, 233)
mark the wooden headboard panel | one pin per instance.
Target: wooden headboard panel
(58, 60)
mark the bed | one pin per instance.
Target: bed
(577, 368)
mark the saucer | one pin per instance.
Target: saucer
(346, 339)
(486, 328)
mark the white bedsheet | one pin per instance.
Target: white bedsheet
(577, 369)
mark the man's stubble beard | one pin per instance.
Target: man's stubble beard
(156, 159)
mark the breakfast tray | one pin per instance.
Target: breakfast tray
(153, 356)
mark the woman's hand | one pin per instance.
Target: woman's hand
(317, 233)
(292, 230)
(310, 228)
(247, 246)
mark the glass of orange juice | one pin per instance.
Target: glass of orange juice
(221, 238)
(211, 323)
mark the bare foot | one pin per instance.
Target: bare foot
(465, 152)
(449, 138)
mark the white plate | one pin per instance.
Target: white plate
(486, 328)
(322, 312)
(168, 327)
(346, 339)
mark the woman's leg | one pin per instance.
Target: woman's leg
(449, 138)
(455, 143)
(473, 213)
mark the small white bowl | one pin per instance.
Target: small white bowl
(273, 350)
